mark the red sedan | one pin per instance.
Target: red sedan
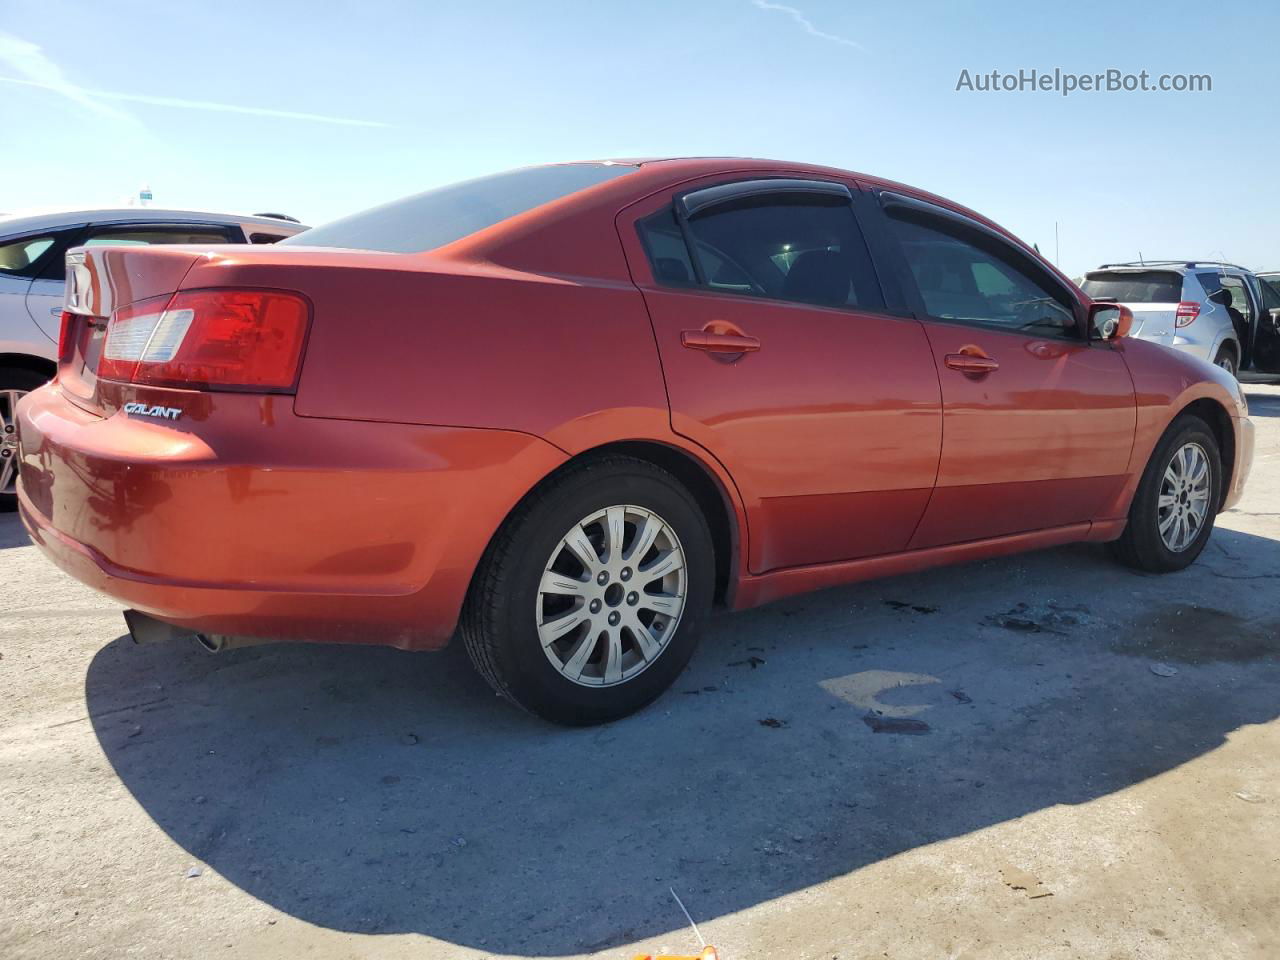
(563, 411)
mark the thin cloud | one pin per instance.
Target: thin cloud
(37, 70)
(805, 24)
(29, 60)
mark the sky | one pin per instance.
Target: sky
(322, 109)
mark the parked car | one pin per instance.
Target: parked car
(1217, 311)
(32, 251)
(568, 408)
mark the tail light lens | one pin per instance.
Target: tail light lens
(230, 339)
(1187, 311)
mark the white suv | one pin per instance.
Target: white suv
(31, 287)
(1217, 311)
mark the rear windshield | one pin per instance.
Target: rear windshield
(1131, 286)
(432, 219)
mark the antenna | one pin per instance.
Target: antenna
(1057, 258)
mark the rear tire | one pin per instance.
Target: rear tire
(15, 382)
(1166, 530)
(589, 600)
(1228, 360)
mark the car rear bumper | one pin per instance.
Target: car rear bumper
(244, 519)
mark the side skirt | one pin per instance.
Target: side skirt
(755, 590)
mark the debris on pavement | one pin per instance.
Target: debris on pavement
(1164, 670)
(773, 722)
(753, 661)
(1051, 618)
(1248, 797)
(907, 725)
(961, 696)
(917, 607)
(1021, 880)
(194, 872)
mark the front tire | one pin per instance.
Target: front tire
(1173, 511)
(588, 603)
(15, 383)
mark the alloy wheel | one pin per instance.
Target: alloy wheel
(9, 440)
(611, 595)
(1183, 504)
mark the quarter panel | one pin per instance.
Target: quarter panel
(499, 350)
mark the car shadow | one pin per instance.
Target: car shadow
(376, 791)
(1262, 404)
(12, 532)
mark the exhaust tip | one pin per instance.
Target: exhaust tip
(217, 642)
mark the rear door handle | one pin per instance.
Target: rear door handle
(718, 342)
(972, 365)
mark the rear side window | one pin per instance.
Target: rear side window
(806, 249)
(432, 219)
(19, 257)
(1133, 286)
(150, 236)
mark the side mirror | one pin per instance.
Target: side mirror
(1109, 321)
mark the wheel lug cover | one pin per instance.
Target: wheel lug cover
(595, 606)
(603, 578)
(633, 598)
(614, 618)
(626, 573)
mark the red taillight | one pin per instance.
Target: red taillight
(1187, 311)
(246, 339)
(64, 336)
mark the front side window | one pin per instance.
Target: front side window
(806, 249)
(963, 281)
(20, 256)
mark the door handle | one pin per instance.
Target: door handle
(718, 342)
(971, 365)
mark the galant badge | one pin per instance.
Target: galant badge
(149, 410)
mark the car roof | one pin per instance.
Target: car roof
(54, 219)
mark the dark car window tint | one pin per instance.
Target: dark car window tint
(1211, 283)
(1134, 286)
(959, 280)
(805, 249)
(665, 247)
(432, 219)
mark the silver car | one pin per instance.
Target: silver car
(31, 287)
(1218, 311)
